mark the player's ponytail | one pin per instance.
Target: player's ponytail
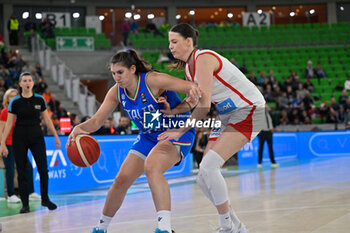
(130, 57)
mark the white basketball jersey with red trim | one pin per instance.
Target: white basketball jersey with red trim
(228, 82)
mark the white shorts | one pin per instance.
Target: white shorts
(248, 120)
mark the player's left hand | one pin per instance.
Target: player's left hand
(195, 92)
(170, 134)
(166, 109)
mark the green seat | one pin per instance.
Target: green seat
(106, 43)
(74, 31)
(82, 31)
(91, 31)
(100, 36)
(66, 31)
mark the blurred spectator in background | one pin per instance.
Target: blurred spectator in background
(85, 118)
(347, 84)
(347, 116)
(4, 57)
(301, 91)
(13, 28)
(29, 25)
(308, 85)
(233, 61)
(41, 86)
(320, 73)
(310, 71)
(252, 77)
(74, 119)
(124, 126)
(30, 38)
(284, 117)
(125, 31)
(342, 98)
(333, 106)
(47, 95)
(163, 57)
(27, 67)
(54, 105)
(47, 29)
(38, 70)
(266, 134)
(308, 100)
(62, 112)
(261, 79)
(271, 76)
(152, 28)
(283, 100)
(20, 63)
(341, 114)
(134, 27)
(242, 68)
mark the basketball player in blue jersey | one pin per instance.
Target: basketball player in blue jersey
(142, 92)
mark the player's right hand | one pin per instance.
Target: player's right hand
(75, 132)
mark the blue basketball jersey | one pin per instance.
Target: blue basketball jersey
(144, 109)
(145, 104)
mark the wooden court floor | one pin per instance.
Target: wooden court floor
(308, 197)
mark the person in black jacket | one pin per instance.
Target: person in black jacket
(28, 107)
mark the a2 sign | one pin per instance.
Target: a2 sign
(256, 19)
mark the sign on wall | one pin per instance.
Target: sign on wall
(256, 19)
(75, 43)
(301, 145)
(59, 19)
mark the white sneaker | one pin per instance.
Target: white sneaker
(13, 199)
(34, 197)
(225, 230)
(242, 228)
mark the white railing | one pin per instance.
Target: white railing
(64, 78)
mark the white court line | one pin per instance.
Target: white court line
(206, 215)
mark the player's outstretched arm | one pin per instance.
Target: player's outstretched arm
(107, 107)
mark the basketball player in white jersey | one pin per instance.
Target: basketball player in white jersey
(240, 107)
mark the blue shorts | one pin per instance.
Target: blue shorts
(146, 141)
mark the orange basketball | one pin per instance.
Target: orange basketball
(84, 151)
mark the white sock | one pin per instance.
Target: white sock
(234, 218)
(225, 221)
(164, 220)
(104, 222)
(233, 215)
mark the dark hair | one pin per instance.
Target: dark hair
(20, 79)
(24, 74)
(130, 57)
(186, 31)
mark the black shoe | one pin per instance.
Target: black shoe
(50, 205)
(25, 209)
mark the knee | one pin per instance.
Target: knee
(150, 169)
(121, 182)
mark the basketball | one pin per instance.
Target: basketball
(84, 151)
